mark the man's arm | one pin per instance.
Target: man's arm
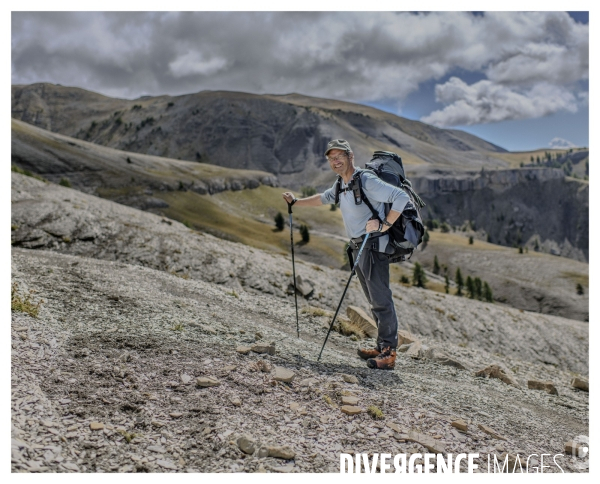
(313, 201)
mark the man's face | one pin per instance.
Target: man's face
(339, 161)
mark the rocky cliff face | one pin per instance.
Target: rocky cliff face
(514, 207)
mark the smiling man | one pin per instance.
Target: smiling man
(373, 269)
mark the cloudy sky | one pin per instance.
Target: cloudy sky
(517, 79)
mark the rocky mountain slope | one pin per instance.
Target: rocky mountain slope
(136, 361)
(179, 190)
(92, 168)
(47, 216)
(283, 135)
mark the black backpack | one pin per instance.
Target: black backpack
(408, 230)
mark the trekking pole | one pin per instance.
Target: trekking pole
(294, 267)
(344, 294)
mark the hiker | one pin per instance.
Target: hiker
(373, 269)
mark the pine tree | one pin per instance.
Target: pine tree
(436, 265)
(304, 233)
(478, 287)
(279, 221)
(419, 278)
(471, 240)
(487, 292)
(447, 285)
(458, 278)
(470, 287)
(579, 289)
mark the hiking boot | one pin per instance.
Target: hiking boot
(385, 360)
(366, 353)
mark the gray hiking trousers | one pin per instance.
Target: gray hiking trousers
(373, 272)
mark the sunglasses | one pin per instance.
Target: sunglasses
(336, 158)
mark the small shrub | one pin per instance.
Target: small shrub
(404, 280)
(471, 240)
(23, 304)
(170, 105)
(314, 311)
(348, 328)
(128, 436)
(520, 249)
(128, 160)
(375, 413)
(436, 265)
(444, 227)
(447, 284)
(279, 221)
(234, 294)
(304, 233)
(65, 182)
(187, 224)
(419, 278)
(579, 289)
(177, 327)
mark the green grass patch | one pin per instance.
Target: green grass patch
(23, 171)
(375, 412)
(226, 220)
(23, 303)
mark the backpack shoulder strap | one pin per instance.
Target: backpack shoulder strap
(363, 197)
(338, 187)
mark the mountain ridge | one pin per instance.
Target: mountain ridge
(283, 134)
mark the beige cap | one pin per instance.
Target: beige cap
(338, 144)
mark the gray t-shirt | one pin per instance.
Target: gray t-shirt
(356, 216)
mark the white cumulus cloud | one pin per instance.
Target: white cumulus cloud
(560, 143)
(354, 56)
(192, 63)
(486, 102)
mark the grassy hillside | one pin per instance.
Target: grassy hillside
(530, 280)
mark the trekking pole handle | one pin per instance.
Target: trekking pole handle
(290, 204)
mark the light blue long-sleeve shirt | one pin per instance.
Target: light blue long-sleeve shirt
(356, 216)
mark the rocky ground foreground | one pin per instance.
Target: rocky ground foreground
(129, 368)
